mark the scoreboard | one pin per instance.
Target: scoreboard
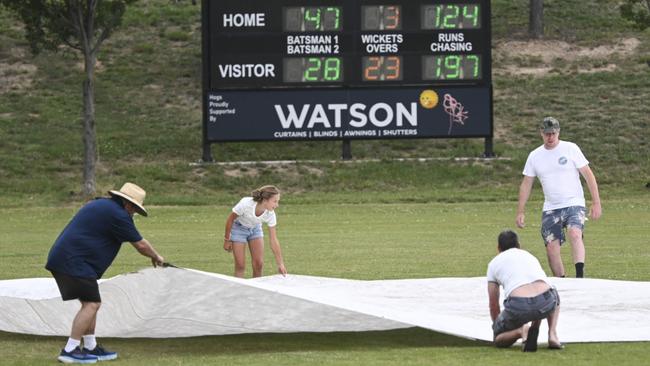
(346, 69)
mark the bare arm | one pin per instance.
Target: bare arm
(145, 248)
(227, 243)
(590, 178)
(524, 192)
(493, 294)
(277, 251)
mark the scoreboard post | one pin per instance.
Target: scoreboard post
(345, 70)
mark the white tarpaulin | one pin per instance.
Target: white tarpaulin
(171, 302)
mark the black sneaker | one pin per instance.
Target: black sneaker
(531, 341)
(101, 353)
(76, 356)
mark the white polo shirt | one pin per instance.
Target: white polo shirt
(245, 209)
(557, 171)
(514, 268)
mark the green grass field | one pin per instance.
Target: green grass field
(359, 220)
(361, 241)
(357, 241)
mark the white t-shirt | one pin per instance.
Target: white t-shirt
(557, 171)
(514, 268)
(245, 209)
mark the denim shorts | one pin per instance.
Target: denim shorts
(242, 234)
(555, 221)
(521, 310)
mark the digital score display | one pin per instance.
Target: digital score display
(451, 16)
(312, 19)
(313, 70)
(346, 69)
(381, 17)
(379, 68)
(451, 67)
(259, 44)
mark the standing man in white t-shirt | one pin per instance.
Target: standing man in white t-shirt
(529, 297)
(556, 164)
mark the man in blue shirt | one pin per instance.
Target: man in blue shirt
(82, 253)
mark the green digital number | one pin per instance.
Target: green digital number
(438, 16)
(312, 15)
(322, 69)
(444, 19)
(452, 67)
(473, 16)
(337, 15)
(475, 68)
(332, 69)
(452, 63)
(450, 17)
(313, 69)
(438, 67)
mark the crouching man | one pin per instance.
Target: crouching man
(528, 296)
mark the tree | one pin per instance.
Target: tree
(82, 25)
(637, 11)
(536, 21)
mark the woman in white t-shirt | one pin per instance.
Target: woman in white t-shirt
(244, 225)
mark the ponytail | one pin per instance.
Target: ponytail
(264, 193)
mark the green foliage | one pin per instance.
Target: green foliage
(50, 23)
(82, 25)
(638, 12)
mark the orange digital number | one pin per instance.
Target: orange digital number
(392, 17)
(392, 68)
(371, 71)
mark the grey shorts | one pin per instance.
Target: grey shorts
(521, 310)
(554, 222)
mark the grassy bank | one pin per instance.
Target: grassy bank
(148, 91)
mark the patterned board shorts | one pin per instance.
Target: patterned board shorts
(554, 222)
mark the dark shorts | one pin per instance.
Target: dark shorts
(554, 222)
(84, 289)
(521, 310)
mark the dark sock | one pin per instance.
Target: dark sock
(580, 270)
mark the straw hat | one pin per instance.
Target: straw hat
(133, 194)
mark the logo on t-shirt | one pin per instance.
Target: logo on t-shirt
(562, 160)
